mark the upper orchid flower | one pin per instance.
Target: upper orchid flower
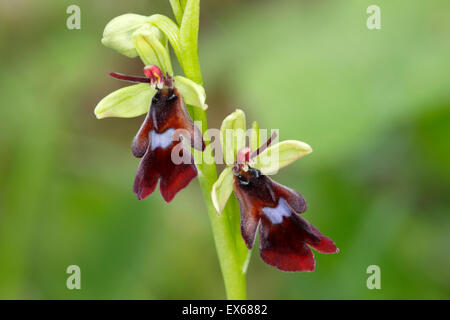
(158, 140)
(285, 237)
(162, 96)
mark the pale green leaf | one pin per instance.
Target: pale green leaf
(280, 155)
(127, 102)
(222, 189)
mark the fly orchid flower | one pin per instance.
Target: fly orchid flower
(158, 138)
(285, 237)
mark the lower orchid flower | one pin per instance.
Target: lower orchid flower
(285, 237)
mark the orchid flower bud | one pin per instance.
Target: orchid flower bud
(118, 33)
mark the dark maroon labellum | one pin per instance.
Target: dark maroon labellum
(285, 237)
(155, 142)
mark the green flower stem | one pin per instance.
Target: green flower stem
(233, 275)
(224, 237)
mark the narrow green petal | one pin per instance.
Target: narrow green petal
(222, 189)
(232, 135)
(280, 155)
(118, 33)
(193, 93)
(127, 102)
(254, 136)
(151, 46)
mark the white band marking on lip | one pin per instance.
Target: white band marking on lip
(161, 140)
(276, 214)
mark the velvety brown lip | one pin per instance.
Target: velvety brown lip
(285, 237)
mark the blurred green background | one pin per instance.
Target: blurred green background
(374, 105)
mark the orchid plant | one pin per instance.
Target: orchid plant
(175, 105)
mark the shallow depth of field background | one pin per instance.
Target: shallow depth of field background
(374, 105)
